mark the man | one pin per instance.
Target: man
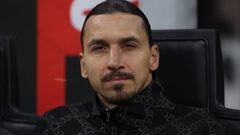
(119, 60)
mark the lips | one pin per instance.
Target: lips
(117, 76)
(118, 79)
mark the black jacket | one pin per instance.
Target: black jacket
(148, 113)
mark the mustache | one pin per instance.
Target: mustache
(122, 75)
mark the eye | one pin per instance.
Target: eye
(98, 48)
(130, 45)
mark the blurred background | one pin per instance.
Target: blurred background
(46, 34)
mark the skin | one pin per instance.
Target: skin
(117, 58)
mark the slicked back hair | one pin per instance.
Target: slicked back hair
(118, 6)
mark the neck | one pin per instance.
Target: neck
(105, 103)
(111, 105)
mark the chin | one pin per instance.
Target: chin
(121, 97)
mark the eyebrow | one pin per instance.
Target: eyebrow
(128, 39)
(120, 41)
(95, 41)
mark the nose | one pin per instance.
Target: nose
(114, 61)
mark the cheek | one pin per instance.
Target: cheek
(94, 76)
(139, 66)
(143, 61)
(95, 69)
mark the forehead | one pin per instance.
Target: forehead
(114, 18)
(115, 23)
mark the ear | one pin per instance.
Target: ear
(154, 57)
(83, 66)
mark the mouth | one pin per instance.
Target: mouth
(117, 77)
(120, 78)
(117, 83)
(117, 80)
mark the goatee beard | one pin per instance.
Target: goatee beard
(118, 87)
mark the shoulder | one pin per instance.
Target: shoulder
(67, 109)
(198, 120)
(69, 112)
(63, 118)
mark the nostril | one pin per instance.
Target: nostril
(113, 66)
(116, 67)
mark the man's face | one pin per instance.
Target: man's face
(117, 58)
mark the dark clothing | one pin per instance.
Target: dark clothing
(4, 131)
(148, 113)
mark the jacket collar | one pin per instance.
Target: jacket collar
(151, 97)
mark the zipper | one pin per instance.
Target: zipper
(108, 115)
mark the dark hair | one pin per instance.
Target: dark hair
(115, 6)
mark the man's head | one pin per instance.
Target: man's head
(118, 56)
(119, 6)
